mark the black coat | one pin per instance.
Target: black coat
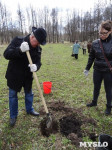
(97, 57)
(18, 73)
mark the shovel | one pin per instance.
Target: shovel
(49, 118)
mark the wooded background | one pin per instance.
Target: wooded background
(61, 26)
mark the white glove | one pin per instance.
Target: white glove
(24, 47)
(33, 67)
(86, 72)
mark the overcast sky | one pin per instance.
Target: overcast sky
(79, 4)
(83, 5)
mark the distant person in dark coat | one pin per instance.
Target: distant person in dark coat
(89, 46)
(101, 69)
(19, 72)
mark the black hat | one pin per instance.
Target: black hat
(40, 34)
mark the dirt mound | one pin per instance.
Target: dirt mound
(59, 106)
(69, 122)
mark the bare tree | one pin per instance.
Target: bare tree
(40, 14)
(67, 28)
(55, 33)
(28, 19)
(98, 16)
(2, 22)
(21, 19)
(33, 16)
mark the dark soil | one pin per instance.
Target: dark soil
(54, 127)
(70, 124)
(68, 121)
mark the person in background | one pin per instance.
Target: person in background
(101, 69)
(89, 46)
(76, 47)
(84, 46)
(19, 72)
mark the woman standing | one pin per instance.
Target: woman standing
(76, 47)
(100, 51)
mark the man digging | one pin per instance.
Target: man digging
(19, 72)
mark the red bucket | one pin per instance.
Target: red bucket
(47, 87)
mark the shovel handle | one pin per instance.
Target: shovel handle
(37, 82)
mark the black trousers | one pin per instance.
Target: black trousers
(76, 56)
(84, 51)
(98, 77)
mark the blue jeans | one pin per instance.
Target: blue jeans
(13, 102)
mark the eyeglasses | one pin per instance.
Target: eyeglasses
(103, 33)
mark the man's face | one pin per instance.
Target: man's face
(33, 41)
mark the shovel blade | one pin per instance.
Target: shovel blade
(49, 122)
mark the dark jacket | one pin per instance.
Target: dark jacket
(18, 73)
(89, 47)
(97, 57)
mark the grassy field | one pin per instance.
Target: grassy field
(69, 85)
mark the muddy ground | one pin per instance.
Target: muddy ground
(69, 122)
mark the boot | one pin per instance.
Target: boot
(108, 110)
(12, 121)
(93, 103)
